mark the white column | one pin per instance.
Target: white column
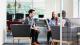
(2, 19)
(75, 8)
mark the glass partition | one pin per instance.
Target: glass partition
(17, 11)
(71, 27)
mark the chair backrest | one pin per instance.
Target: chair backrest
(12, 22)
(41, 23)
(20, 30)
(55, 32)
(78, 29)
(69, 34)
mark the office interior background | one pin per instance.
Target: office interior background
(18, 9)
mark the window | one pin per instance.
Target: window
(79, 8)
(42, 7)
(76, 8)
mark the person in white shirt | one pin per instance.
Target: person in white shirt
(51, 22)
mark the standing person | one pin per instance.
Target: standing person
(30, 21)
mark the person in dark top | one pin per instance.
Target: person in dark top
(30, 21)
(65, 21)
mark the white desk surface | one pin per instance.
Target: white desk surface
(78, 33)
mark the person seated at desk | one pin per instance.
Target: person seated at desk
(52, 22)
(65, 21)
(30, 21)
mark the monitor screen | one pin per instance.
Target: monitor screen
(19, 16)
(9, 16)
(41, 16)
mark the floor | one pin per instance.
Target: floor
(9, 40)
(22, 44)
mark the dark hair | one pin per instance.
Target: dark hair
(52, 16)
(63, 13)
(31, 10)
(58, 14)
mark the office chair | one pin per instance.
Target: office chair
(55, 31)
(20, 31)
(69, 36)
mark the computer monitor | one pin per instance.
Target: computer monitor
(19, 15)
(9, 16)
(41, 16)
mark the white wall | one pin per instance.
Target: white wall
(56, 6)
(50, 6)
(2, 19)
(71, 7)
(75, 8)
(68, 7)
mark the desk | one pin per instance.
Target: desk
(78, 33)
